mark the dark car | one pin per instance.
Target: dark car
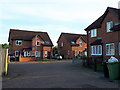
(12, 57)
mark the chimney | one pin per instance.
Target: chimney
(119, 5)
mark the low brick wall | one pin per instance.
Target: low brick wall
(26, 59)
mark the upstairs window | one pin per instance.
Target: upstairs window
(18, 42)
(37, 43)
(73, 42)
(61, 44)
(93, 32)
(109, 26)
(80, 43)
(46, 42)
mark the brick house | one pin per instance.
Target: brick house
(103, 35)
(29, 45)
(70, 45)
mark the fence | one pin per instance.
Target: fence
(4, 61)
(96, 63)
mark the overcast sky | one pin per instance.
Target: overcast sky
(52, 16)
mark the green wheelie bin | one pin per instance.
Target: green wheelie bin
(114, 70)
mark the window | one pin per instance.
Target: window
(110, 49)
(80, 52)
(45, 53)
(25, 53)
(37, 43)
(94, 33)
(109, 26)
(31, 53)
(68, 52)
(19, 42)
(46, 42)
(28, 53)
(73, 42)
(75, 52)
(37, 53)
(62, 44)
(17, 53)
(80, 43)
(96, 50)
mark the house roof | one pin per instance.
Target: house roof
(16, 34)
(115, 28)
(73, 37)
(97, 23)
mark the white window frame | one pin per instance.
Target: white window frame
(110, 49)
(80, 44)
(16, 53)
(46, 53)
(109, 26)
(61, 44)
(18, 42)
(37, 53)
(95, 50)
(37, 42)
(28, 53)
(94, 33)
(25, 53)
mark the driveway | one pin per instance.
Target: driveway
(54, 74)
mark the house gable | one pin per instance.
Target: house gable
(98, 23)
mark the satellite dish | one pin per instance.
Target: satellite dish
(119, 4)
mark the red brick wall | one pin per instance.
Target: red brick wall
(79, 48)
(34, 47)
(32, 44)
(64, 50)
(67, 46)
(26, 59)
(49, 50)
(107, 37)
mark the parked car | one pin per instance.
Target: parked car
(12, 57)
(57, 56)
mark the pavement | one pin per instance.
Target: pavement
(54, 74)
